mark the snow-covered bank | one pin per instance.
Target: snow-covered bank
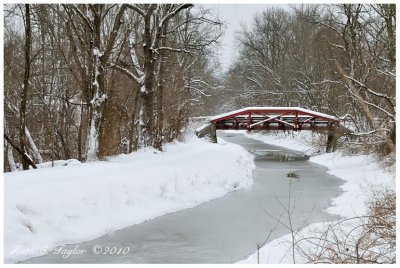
(48, 207)
(361, 173)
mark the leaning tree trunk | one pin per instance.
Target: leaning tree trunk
(34, 150)
(24, 95)
(10, 155)
(10, 158)
(24, 155)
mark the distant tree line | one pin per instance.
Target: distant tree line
(88, 81)
(337, 59)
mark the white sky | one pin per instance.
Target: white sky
(235, 12)
(234, 15)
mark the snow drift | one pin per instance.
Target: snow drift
(48, 207)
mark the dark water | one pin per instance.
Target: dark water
(226, 229)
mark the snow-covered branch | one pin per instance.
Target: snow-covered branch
(174, 13)
(81, 15)
(133, 54)
(127, 72)
(363, 86)
(172, 49)
(114, 32)
(137, 9)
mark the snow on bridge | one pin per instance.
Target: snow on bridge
(272, 118)
(280, 118)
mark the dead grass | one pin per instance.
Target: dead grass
(369, 239)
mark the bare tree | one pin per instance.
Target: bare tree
(174, 35)
(24, 95)
(88, 66)
(290, 59)
(94, 19)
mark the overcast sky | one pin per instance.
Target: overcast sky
(234, 15)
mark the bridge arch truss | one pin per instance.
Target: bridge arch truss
(273, 118)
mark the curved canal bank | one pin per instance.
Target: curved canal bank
(227, 229)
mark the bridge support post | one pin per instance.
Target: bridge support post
(331, 142)
(209, 131)
(213, 133)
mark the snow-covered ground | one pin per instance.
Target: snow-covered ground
(77, 202)
(361, 173)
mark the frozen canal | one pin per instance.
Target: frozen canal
(227, 229)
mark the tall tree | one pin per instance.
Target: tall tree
(24, 95)
(152, 14)
(79, 100)
(101, 48)
(334, 58)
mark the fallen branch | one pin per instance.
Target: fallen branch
(23, 154)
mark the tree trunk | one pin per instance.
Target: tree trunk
(158, 124)
(158, 135)
(80, 134)
(393, 134)
(146, 90)
(24, 95)
(23, 154)
(35, 151)
(389, 12)
(97, 133)
(10, 158)
(133, 145)
(99, 94)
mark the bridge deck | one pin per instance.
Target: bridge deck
(274, 118)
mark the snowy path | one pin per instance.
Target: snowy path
(226, 229)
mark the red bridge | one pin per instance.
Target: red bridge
(272, 118)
